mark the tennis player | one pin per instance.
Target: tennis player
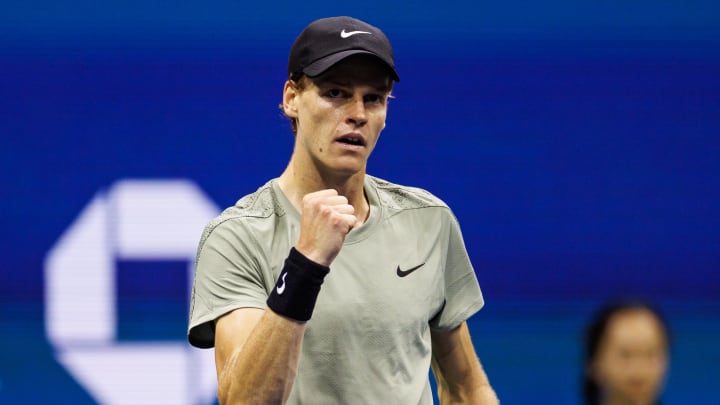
(328, 285)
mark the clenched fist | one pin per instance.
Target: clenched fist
(325, 220)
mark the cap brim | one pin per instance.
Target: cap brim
(321, 65)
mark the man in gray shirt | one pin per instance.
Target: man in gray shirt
(328, 285)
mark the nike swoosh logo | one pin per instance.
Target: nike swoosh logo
(403, 273)
(281, 288)
(344, 34)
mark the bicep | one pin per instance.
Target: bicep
(232, 330)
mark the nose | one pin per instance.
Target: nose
(357, 115)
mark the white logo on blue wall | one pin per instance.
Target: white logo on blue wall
(132, 220)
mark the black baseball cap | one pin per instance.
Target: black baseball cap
(327, 41)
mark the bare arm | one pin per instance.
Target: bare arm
(257, 351)
(459, 374)
(256, 355)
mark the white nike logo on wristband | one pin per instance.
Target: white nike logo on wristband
(281, 288)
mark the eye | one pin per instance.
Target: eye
(334, 93)
(374, 98)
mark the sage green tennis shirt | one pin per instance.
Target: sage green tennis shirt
(402, 273)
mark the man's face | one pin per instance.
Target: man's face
(632, 359)
(340, 114)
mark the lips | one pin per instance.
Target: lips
(352, 140)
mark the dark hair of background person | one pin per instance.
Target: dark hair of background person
(595, 333)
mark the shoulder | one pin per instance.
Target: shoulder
(262, 203)
(400, 197)
(249, 211)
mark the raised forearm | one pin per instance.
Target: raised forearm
(264, 370)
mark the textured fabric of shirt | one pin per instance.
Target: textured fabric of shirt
(402, 273)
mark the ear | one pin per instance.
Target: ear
(290, 95)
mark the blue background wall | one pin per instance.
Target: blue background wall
(577, 143)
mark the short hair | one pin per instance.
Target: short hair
(299, 81)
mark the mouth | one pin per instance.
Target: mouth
(352, 140)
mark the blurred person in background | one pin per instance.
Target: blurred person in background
(627, 353)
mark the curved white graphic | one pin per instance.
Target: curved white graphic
(133, 219)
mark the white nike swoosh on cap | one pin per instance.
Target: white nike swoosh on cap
(344, 34)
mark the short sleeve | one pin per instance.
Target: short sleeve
(463, 296)
(228, 275)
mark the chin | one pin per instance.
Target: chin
(348, 172)
(349, 168)
(643, 397)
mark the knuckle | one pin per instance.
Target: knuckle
(307, 200)
(326, 210)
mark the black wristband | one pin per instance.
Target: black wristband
(297, 287)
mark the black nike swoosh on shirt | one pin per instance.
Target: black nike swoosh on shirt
(403, 273)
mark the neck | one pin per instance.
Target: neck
(296, 181)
